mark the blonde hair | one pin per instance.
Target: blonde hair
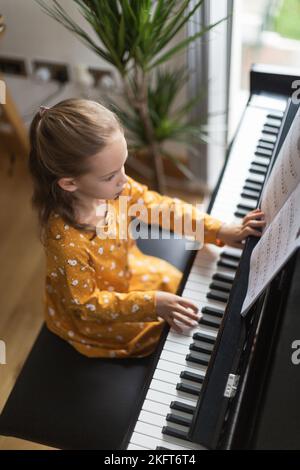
(61, 140)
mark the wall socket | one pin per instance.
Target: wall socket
(98, 74)
(13, 66)
(58, 71)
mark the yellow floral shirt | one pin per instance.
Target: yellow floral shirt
(100, 292)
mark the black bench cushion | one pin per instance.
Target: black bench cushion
(68, 401)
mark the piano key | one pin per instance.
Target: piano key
(256, 170)
(223, 277)
(160, 408)
(155, 432)
(273, 122)
(213, 311)
(227, 263)
(220, 296)
(188, 389)
(263, 152)
(200, 349)
(266, 144)
(245, 207)
(173, 432)
(151, 431)
(212, 322)
(135, 447)
(166, 398)
(240, 214)
(202, 337)
(256, 179)
(179, 406)
(194, 359)
(151, 443)
(251, 195)
(218, 286)
(174, 418)
(270, 130)
(275, 115)
(193, 377)
(268, 138)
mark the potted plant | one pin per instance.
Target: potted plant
(134, 37)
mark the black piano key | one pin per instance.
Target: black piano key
(226, 264)
(214, 312)
(275, 115)
(265, 144)
(250, 187)
(262, 152)
(175, 433)
(270, 130)
(231, 256)
(216, 286)
(197, 360)
(185, 374)
(245, 207)
(200, 349)
(219, 296)
(188, 389)
(223, 278)
(172, 418)
(202, 337)
(177, 405)
(257, 171)
(250, 196)
(239, 214)
(256, 183)
(260, 164)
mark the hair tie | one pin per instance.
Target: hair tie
(43, 109)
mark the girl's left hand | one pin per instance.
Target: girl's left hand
(235, 234)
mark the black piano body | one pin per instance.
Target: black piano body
(250, 396)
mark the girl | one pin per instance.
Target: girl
(104, 296)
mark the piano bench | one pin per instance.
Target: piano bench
(65, 400)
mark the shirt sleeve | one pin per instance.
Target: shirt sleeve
(76, 281)
(140, 194)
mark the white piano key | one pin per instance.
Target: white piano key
(151, 443)
(178, 368)
(150, 430)
(155, 407)
(165, 398)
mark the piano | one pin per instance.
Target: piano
(229, 382)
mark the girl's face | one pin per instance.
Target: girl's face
(106, 178)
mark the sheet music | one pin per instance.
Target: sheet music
(285, 175)
(277, 244)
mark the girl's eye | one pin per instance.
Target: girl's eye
(109, 178)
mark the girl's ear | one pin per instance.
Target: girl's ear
(68, 184)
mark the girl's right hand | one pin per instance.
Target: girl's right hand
(172, 307)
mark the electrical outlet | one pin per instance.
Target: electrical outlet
(58, 71)
(98, 74)
(13, 66)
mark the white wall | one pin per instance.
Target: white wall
(31, 34)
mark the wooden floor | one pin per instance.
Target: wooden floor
(21, 280)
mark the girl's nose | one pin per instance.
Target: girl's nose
(123, 179)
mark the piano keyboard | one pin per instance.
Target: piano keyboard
(168, 408)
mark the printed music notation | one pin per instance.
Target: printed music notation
(285, 175)
(281, 205)
(277, 244)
